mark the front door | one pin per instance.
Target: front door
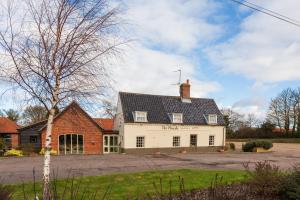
(111, 144)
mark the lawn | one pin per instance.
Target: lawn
(122, 186)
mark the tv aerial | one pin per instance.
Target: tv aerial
(179, 80)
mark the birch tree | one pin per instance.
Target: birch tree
(57, 52)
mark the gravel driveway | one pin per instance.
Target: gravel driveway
(21, 169)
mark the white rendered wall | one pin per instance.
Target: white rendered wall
(161, 136)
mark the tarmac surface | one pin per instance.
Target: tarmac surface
(19, 169)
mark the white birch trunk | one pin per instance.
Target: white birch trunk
(46, 169)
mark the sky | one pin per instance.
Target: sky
(237, 56)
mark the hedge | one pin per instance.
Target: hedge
(249, 146)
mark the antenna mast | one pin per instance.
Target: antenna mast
(179, 80)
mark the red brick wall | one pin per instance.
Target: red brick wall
(15, 141)
(185, 90)
(75, 121)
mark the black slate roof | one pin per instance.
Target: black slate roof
(159, 107)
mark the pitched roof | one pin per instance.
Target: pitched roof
(39, 126)
(8, 126)
(159, 108)
(105, 123)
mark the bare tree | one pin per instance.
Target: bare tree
(252, 121)
(283, 110)
(33, 114)
(234, 119)
(12, 114)
(1, 113)
(109, 109)
(273, 113)
(58, 54)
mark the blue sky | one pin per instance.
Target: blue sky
(238, 57)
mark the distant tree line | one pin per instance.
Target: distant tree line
(282, 120)
(284, 111)
(30, 115)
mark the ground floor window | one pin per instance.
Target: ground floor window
(33, 139)
(140, 141)
(111, 144)
(176, 141)
(6, 140)
(71, 144)
(211, 140)
(193, 140)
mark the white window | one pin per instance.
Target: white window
(140, 141)
(212, 119)
(140, 116)
(211, 140)
(177, 117)
(176, 141)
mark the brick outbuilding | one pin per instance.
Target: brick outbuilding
(74, 132)
(9, 133)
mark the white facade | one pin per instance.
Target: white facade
(161, 135)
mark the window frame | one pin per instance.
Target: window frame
(78, 150)
(137, 117)
(213, 141)
(141, 142)
(33, 136)
(212, 122)
(173, 118)
(176, 141)
(193, 145)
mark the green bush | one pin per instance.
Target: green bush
(249, 146)
(2, 145)
(13, 152)
(290, 189)
(52, 152)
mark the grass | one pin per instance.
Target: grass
(274, 140)
(130, 185)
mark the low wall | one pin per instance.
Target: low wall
(171, 150)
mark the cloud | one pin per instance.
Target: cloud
(253, 105)
(266, 50)
(176, 25)
(150, 71)
(166, 32)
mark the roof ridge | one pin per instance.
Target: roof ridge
(160, 95)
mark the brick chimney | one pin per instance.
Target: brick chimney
(185, 90)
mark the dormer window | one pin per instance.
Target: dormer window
(177, 117)
(140, 116)
(212, 119)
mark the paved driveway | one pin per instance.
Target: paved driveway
(21, 169)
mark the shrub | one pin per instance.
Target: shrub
(249, 146)
(52, 152)
(5, 193)
(13, 152)
(27, 149)
(290, 189)
(2, 145)
(266, 179)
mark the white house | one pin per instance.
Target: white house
(155, 123)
